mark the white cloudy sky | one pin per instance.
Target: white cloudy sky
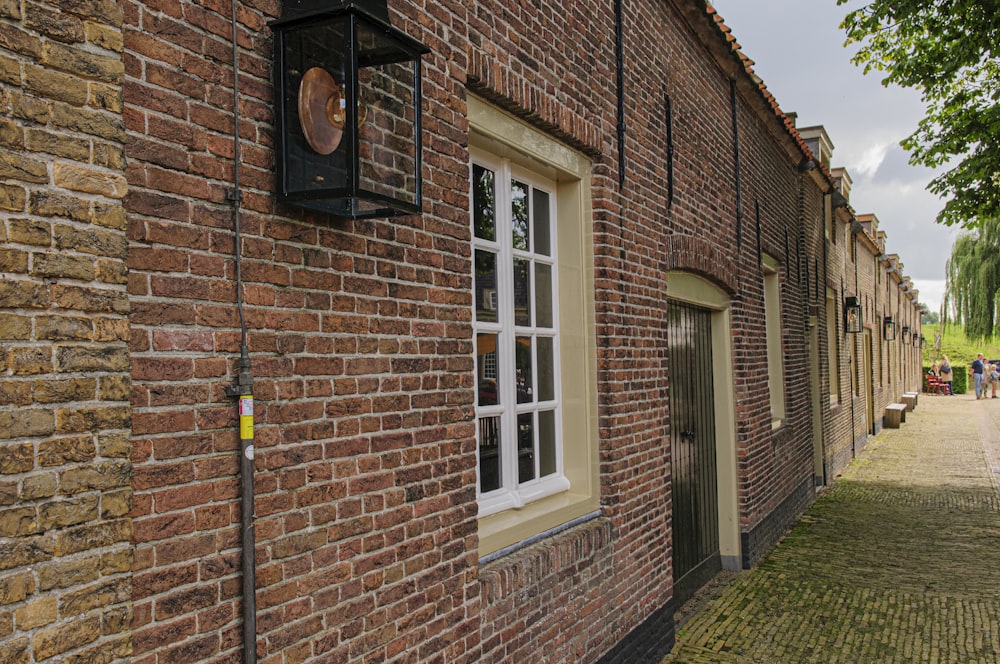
(797, 46)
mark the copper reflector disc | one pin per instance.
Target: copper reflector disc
(319, 103)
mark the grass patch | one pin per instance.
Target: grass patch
(956, 346)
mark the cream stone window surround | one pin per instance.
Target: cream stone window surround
(494, 137)
(833, 346)
(775, 356)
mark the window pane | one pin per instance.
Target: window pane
(514, 228)
(486, 369)
(522, 292)
(489, 454)
(546, 443)
(525, 447)
(486, 286)
(543, 295)
(525, 386)
(483, 203)
(519, 214)
(546, 369)
(540, 221)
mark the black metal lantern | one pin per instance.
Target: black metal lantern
(852, 315)
(347, 97)
(923, 341)
(888, 328)
(906, 334)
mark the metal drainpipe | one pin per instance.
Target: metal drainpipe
(243, 390)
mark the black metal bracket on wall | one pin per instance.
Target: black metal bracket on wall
(756, 213)
(798, 262)
(808, 286)
(736, 169)
(788, 257)
(620, 71)
(841, 309)
(669, 112)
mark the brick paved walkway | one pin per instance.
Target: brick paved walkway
(899, 561)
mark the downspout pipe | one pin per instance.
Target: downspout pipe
(620, 81)
(242, 389)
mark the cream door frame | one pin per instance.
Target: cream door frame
(692, 289)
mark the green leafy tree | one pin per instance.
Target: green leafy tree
(929, 318)
(972, 289)
(948, 51)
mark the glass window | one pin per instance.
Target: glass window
(516, 337)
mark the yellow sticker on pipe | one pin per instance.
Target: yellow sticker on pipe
(246, 418)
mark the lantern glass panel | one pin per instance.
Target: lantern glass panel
(316, 68)
(853, 319)
(387, 143)
(852, 315)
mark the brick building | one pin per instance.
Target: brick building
(606, 361)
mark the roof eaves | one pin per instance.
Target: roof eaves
(747, 65)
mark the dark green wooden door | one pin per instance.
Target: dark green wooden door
(695, 504)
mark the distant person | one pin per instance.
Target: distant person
(977, 368)
(944, 371)
(993, 373)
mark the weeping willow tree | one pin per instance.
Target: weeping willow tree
(972, 290)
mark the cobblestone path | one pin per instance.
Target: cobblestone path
(899, 561)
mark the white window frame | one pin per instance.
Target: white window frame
(513, 494)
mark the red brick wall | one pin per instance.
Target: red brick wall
(841, 424)
(638, 238)
(872, 296)
(361, 350)
(360, 338)
(360, 333)
(779, 460)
